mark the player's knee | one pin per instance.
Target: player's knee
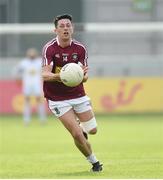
(77, 135)
(90, 126)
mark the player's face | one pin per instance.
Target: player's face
(64, 29)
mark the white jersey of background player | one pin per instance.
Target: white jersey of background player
(29, 70)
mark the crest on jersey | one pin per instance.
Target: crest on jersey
(75, 56)
(65, 56)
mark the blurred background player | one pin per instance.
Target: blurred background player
(29, 72)
(69, 103)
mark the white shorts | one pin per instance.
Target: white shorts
(79, 105)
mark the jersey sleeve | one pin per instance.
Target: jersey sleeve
(84, 56)
(47, 56)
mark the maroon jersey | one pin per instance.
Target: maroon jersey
(55, 55)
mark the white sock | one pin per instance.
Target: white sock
(92, 159)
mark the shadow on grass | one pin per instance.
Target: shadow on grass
(79, 174)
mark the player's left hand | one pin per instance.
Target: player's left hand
(85, 69)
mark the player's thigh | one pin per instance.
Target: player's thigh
(85, 116)
(69, 121)
(84, 111)
(88, 122)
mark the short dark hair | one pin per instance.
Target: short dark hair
(63, 16)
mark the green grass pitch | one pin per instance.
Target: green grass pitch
(128, 146)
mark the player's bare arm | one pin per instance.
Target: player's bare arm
(85, 69)
(47, 74)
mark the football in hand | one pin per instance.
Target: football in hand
(71, 74)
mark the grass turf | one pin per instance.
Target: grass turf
(128, 146)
